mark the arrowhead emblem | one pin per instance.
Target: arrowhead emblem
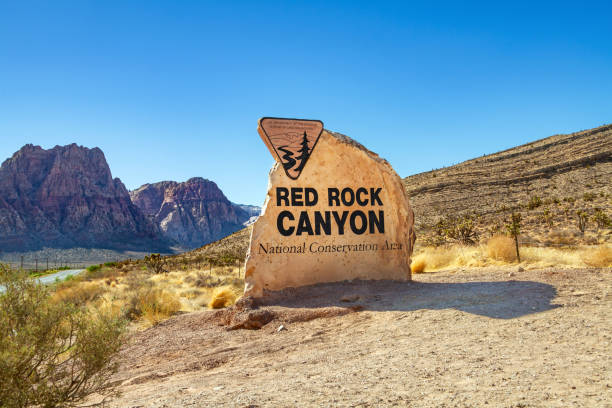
(291, 141)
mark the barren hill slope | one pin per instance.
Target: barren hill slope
(561, 175)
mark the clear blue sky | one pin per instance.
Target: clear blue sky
(171, 90)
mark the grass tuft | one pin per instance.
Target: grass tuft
(157, 305)
(222, 297)
(418, 264)
(600, 257)
(501, 248)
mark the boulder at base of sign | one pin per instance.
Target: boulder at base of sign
(346, 216)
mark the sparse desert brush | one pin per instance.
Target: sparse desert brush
(600, 257)
(191, 293)
(52, 353)
(534, 202)
(101, 272)
(501, 248)
(435, 258)
(222, 297)
(562, 237)
(156, 305)
(78, 294)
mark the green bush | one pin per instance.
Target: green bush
(534, 202)
(52, 353)
(601, 219)
(459, 229)
(93, 268)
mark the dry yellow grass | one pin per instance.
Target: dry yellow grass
(418, 264)
(78, 293)
(501, 252)
(501, 248)
(222, 297)
(157, 305)
(600, 257)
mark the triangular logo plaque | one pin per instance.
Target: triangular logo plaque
(291, 141)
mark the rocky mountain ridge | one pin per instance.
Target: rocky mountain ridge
(66, 197)
(192, 213)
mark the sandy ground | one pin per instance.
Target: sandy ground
(482, 337)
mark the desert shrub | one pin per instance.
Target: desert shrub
(501, 248)
(435, 258)
(155, 263)
(191, 294)
(204, 281)
(222, 296)
(589, 196)
(601, 219)
(79, 293)
(52, 353)
(418, 264)
(110, 264)
(547, 217)
(137, 280)
(93, 268)
(153, 305)
(561, 237)
(581, 219)
(600, 257)
(534, 202)
(458, 229)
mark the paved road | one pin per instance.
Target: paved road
(61, 275)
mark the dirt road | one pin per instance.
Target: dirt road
(450, 339)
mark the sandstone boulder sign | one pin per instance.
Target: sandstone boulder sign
(334, 211)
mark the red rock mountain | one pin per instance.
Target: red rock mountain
(66, 197)
(192, 213)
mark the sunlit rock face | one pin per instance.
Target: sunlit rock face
(66, 197)
(346, 216)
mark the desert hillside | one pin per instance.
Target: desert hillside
(549, 181)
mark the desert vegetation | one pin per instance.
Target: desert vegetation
(499, 251)
(147, 291)
(52, 351)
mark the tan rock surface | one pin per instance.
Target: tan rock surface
(337, 162)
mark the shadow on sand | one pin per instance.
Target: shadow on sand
(501, 300)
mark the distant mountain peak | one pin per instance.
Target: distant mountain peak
(66, 197)
(192, 213)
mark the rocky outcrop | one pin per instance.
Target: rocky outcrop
(192, 213)
(66, 197)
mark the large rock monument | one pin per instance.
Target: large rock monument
(334, 211)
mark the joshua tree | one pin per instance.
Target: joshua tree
(582, 219)
(155, 263)
(514, 229)
(601, 219)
